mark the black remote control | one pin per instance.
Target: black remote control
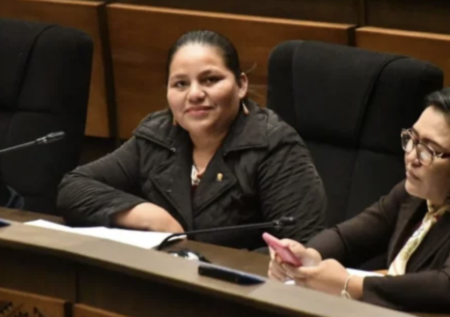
(229, 275)
(4, 223)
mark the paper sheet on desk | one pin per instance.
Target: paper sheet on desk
(141, 239)
(350, 271)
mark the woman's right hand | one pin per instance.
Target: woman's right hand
(148, 216)
(308, 256)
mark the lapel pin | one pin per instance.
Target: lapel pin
(219, 177)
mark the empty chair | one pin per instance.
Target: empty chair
(350, 105)
(45, 74)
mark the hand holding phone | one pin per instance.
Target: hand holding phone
(281, 250)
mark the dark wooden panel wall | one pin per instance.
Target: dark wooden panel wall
(335, 11)
(132, 38)
(414, 15)
(86, 311)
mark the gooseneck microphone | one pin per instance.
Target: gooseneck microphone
(49, 138)
(279, 223)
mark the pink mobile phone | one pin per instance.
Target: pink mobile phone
(283, 252)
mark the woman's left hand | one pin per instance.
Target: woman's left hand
(329, 276)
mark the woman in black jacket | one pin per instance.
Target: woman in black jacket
(212, 159)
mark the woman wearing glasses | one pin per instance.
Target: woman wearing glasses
(411, 224)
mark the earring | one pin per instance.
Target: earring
(245, 109)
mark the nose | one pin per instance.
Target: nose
(196, 93)
(412, 157)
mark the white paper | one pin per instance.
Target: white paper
(141, 239)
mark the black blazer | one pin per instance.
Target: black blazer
(386, 226)
(266, 173)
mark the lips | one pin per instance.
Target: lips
(411, 175)
(199, 109)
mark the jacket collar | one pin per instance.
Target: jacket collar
(172, 177)
(433, 242)
(411, 213)
(247, 131)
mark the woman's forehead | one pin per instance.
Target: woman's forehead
(197, 54)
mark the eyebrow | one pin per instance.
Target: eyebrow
(206, 72)
(428, 140)
(177, 76)
(209, 71)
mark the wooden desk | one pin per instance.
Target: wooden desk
(237, 259)
(79, 275)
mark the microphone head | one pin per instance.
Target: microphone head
(284, 221)
(51, 137)
(55, 136)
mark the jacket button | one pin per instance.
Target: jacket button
(173, 150)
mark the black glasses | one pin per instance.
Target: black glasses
(425, 154)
